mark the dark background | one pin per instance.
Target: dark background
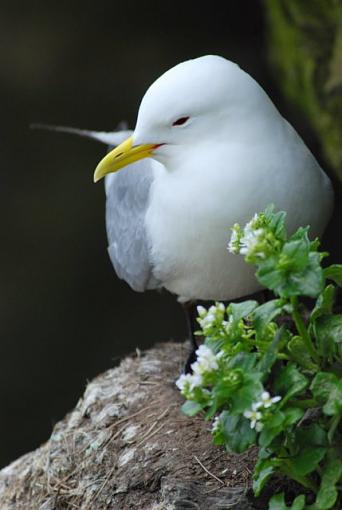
(65, 316)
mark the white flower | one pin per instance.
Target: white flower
(206, 325)
(189, 382)
(257, 405)
(221, 307)
(206, 321)
(234, 242)
(207, 318)
(250, 240)
(259, 426)
(218, 307)
(206, 361)
(246, 240)
(252, 223)
(267, 400)
(227, 324)
(196, 380)
(183, 381)
(216, 424)
(254, 416)
(202, 312)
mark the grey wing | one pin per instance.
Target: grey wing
(127, 201)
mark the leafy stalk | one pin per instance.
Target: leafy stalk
(303, 332)
(265, 385)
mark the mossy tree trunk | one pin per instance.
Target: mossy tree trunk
(305, 49)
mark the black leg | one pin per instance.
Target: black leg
(190, 315)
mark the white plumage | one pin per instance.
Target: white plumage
(221, 152)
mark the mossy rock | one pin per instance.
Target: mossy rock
(305, 49)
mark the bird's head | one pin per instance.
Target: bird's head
(195, 104)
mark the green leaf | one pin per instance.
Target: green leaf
(292, 415)
(298, 503)
(241, 310)
(309, 282)
(307, 460)
(324, 303)
(287, 278)
(225, 387)
(295, 254)
(290, 382)
(301, 233)
(244, 361)
(277, 423)
(334, 272)
(269, 212)
(272, 427)
(333, 425)
(327, 494)
(322, 385)
(270, 356)
(269, 275)
(190, 408)
(265, 313)
(263, 471)
(334, 403)
(299, 353)
(326, 498)
(328, 329)
(237, 432)
(237, 312)
(247, 393)
(312, 435)
(276, 222)
(277, 502)
(315, 244)
(327, 389)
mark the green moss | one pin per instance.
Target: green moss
(305, 49)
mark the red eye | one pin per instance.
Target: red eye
(180, 121)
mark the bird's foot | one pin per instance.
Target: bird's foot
(191, 358)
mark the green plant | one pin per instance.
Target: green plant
(270, 374)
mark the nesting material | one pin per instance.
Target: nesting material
(127, 445)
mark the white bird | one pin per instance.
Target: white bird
(218, 151)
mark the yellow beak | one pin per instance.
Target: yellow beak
(123, 155)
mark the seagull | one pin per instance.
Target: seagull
(209, 150)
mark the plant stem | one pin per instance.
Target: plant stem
(303, 332)
(333, 426)
(304, 404)
(300, 362)
(281, 355)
